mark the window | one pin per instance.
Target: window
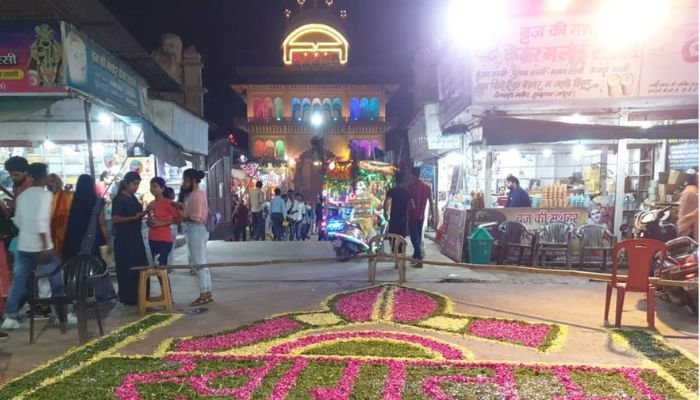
(337, 108)
(296, 109)
(279, 108)
(316, 106)
(269, 149)
(364, 108)
(327, 107)
(279, 149)
(258, 108)
(259, 149)
(374, 108)
(305, 109)
(269, 108)
(354, 109)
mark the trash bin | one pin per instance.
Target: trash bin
(480, 245)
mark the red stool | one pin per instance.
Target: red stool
(4, 276)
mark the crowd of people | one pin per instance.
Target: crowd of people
(286, 216)
(46, 223)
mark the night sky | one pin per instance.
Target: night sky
(238, 33)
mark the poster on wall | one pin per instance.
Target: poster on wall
(31, 58)
(566, 58)
(97, 73)
(683, 154)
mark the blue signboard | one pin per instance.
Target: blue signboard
(97, 73)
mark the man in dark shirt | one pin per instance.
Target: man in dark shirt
(401, 203)
(421, 194)
(517, 197)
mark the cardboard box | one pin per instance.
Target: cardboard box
(676, 177)
(663, 177)
(666, 189)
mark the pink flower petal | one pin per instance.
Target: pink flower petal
(528, 335)
(268, 329)
(411, 306)
(358, 307)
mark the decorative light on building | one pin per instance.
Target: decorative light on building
(477, 24)
(287, 13)
(343, 14)
(316, 119)
(331, 166)
(301, 3)
(329, 3)
(305, 39)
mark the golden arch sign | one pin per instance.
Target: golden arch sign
(315, 42)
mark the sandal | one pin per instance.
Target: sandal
(202, 300)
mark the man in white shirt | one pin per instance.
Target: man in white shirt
(297, 216)
(36, 253)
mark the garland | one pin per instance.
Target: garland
(80, 357)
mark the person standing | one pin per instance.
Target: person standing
(257, 199)
(399, 201)
(421, 195)
(195, 215)
(688, 208)
(517, 196)
(60, 210)
(86, 218)
(240, 221)
(35, 246)
(163, 215)
(169, 193)
(298, 216)
(101, 185)
(129, 249)
(278, 214)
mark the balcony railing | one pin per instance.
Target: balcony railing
(301, 121)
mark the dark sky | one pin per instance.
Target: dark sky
(234, 33)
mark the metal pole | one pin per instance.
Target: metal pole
(620, 174)
(88, 133)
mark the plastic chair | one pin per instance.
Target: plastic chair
(515, 235)
(595, 238)
(398, 249)
(554, 237)
(640, 254)
(80, 276)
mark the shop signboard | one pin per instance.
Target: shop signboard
(534, 218)
(436, 140)
(682, 154)
(97, 73)
(452, 243)
(31, 58)
(567, 58)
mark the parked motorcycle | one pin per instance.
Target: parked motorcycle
(347, 238)
(681, 263)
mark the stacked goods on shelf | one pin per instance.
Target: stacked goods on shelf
(669, 187)
(591, 177)
(554, 196)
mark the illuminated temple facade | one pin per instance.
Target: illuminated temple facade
(315, 83)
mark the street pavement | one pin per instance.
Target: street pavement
(245, 294)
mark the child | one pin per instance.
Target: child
(163, 214)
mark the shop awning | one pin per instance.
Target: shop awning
(184, 127)
(498, 131)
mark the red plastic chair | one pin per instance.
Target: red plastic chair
(640, 255)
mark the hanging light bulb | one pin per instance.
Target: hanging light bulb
(48, 144)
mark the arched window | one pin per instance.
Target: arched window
(364, 108)
(374, 108)
(279, 107)
(269, 149)
(337, 108)
(305, 109)
(279, 149)
(354, 109)
(269, 108)
(296, 109)
(259, 149)
(258, 108)
(327, 108)
(316, 106)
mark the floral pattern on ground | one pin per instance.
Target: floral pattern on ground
(451, 324)
(319, 319)
(411, 306)
(530, 335)
(201, 376)
(256, 332)
(358, 306)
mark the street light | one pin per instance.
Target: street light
(476, 24)
(316, 120)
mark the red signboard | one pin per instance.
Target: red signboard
(31, 58)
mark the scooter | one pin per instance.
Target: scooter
(681, 264)
(347, 238)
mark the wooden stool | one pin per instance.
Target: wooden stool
(164, 300)
(398, 249)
